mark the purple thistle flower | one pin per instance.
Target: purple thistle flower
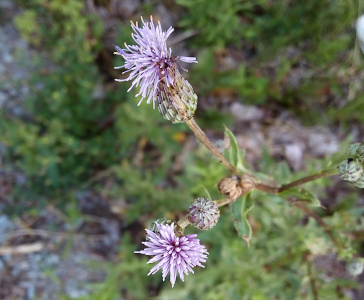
(150, 61)
(174, 254)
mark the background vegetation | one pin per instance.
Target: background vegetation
(80, 132)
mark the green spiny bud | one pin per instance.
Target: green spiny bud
(356, 151)
(350, 170)
(176, 102)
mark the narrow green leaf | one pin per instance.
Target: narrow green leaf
(232, 153)
(207, 192)
(240, 208)
(302, 194)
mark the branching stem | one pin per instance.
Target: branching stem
(259, 186)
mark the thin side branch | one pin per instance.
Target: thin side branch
(276, 190)
(307, 179)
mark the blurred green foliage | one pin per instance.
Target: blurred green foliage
(74, 121)
(221, 22)
(76, 126)
(263, 33)
(63, 141)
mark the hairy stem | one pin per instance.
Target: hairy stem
(205, 140)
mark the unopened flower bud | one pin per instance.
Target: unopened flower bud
(235, 186)
(230, 187)
(356, 151)
(247, 184)
(154, 228)
(176, 102)
(350, 170)
(204, 213)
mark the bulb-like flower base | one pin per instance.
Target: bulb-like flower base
(350, 170)
(356, 151)
(176, 102)
(204, 213)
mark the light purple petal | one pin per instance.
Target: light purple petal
(149, 61)
(173, 254)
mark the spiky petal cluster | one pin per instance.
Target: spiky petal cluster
(174, 254)
(150, 61)
(204, 213)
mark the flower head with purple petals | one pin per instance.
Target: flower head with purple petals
(174, 254)
(150, 61)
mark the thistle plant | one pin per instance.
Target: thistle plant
(155, 71)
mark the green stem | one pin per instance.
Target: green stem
(205, 140)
